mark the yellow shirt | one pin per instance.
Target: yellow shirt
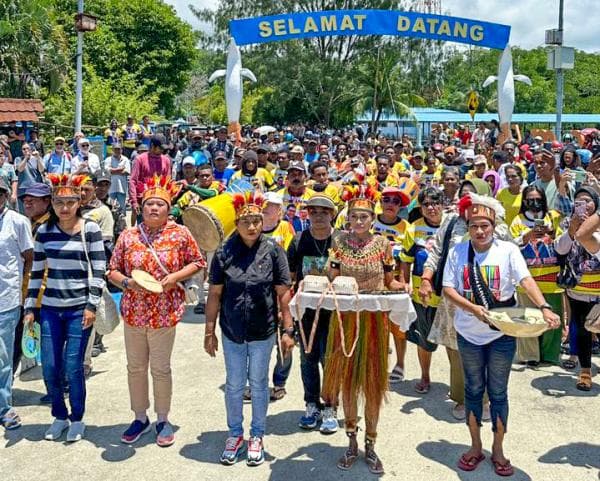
(390, 181)
(415, 252)
(299, 202)
(262, 175)
(283, 234)
(131, 133)
(511, 204)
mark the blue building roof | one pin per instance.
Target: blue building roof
(431, 115)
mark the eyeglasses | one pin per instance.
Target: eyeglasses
(433, 204)
(249, 222)
(391, 200)
(59, 204)
(361, 218)
(84, 145)
(59, 143)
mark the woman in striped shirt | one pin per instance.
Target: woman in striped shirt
(75, 279)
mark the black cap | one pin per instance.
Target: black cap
(159, 140)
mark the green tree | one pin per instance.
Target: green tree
(33, 49)
(144, 38)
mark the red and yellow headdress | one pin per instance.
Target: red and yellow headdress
(473, 205)
(247, 203)
(360, 196)
(64, 185)
(160, 187)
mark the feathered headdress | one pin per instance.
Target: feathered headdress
(64, 185)
(247, 203)
(161, 187)
(474, 205)
(360, 196)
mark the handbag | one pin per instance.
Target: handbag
(592, 320)
(107, 314)
(188, 286)
(438, 277)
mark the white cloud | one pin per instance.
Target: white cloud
(529, 19)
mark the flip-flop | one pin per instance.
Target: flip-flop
(422, 387)
(584, 383)
(470, 464)
(10, 421)
(505, 469)
(347, 460)
(397, 375)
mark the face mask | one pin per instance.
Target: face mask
(534, 205)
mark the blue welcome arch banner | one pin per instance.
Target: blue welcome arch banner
(289, 26)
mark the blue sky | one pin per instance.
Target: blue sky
(529, 19)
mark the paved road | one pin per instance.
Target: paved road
(554, 430)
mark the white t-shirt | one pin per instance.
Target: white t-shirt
(503, 268)
(15, 238)
(93, 163)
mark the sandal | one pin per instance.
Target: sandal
(350, 455)
(569, 364)
(277, 393)
(397, 375)
(584, 383)
(373, 462)
(10, 421)
(471, 463)
(422, 387)
(505, 469)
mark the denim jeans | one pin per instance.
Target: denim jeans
(282, 369)
(309, 362)
(63, 348)
(247, 362)
(120, 198)
(8, 323)
(487, 366)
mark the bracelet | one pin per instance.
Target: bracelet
(545, 305)
(209, 334)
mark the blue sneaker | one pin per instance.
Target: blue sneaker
(234, 446)
(135, 431)
(311, 417)
(329, 425)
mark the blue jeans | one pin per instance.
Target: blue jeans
(487, 366)
(281, 371)
(8, 324)
(63, 348)
(309, 363)
(121, 198)
(247, 362)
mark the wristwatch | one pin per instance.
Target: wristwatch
(125, 283)
(545, 305)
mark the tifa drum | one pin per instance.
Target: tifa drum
(213, 220)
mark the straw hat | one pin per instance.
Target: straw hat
(518, 321)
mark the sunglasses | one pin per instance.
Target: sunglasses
(391, 200)
(59, 143)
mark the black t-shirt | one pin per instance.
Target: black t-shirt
(308, 256)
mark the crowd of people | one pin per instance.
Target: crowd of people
(464, 225)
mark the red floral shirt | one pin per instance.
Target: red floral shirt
(176, 248)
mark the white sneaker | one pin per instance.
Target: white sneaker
(56, 429)
(76, 431)
(329, 425)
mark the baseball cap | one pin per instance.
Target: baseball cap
(263, 148)
(37, 189)
(219, 154)
(480, 159)
(189, 160)
(59, 139)
(273, 198)
(296, 149)
(102, 175)
(142, 148)
(83, 140)
(297, 165)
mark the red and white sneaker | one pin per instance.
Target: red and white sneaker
(256, 452)
(233, 447)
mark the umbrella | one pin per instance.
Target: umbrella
(266, 129)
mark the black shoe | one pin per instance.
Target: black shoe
(199, 308)
(96, 351)
(247, 394)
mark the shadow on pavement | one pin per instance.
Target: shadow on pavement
(581, 455)
(318, 461)
(190, 318)
(448, 454)
(284, 423)
(26, 397)
(560, 385)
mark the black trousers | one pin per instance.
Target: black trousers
(583, 337)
